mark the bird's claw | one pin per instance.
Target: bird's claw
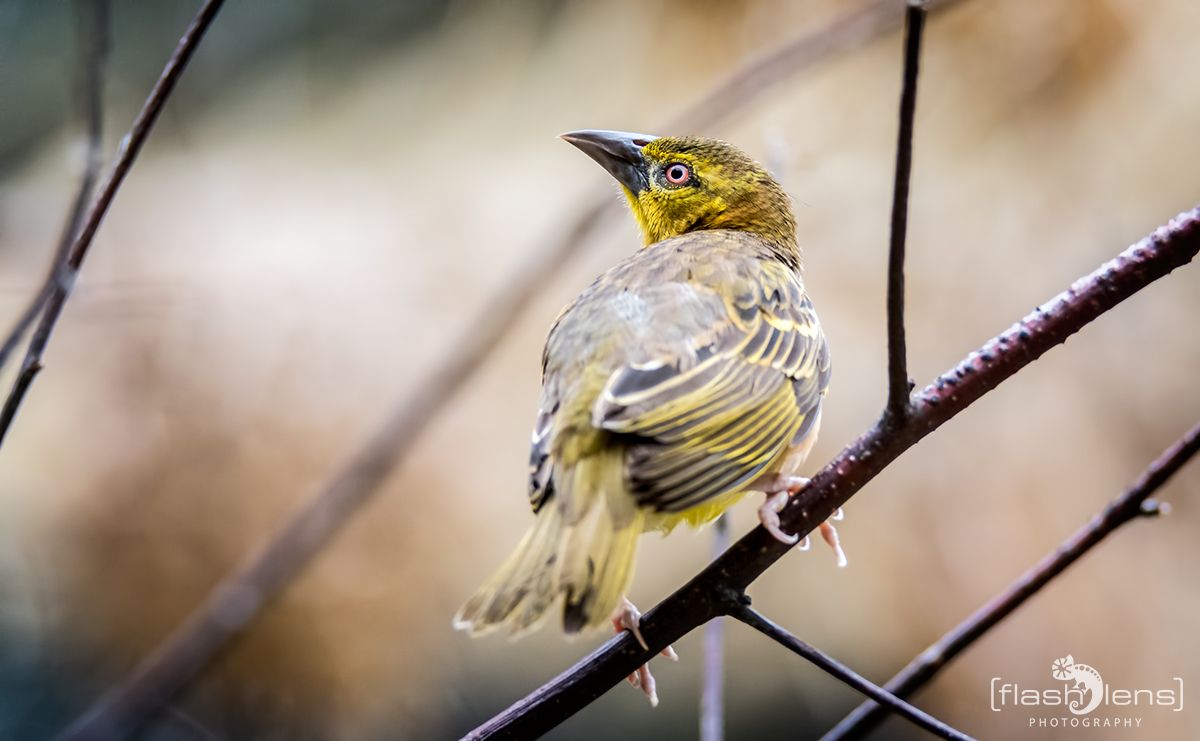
(777, 498)
(627, 617)
(768, 513)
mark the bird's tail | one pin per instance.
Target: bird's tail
(582, 546)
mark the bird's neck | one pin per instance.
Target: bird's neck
(776, 227)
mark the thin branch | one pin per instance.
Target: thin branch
(899, 385)
(92, 19)
(712, 691)
(845, 674)
(1135, 502)
(242, 594)
(131, 145)
(714, 590)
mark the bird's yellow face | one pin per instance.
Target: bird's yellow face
(677, 185)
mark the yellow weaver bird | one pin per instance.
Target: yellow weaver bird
(688, 375)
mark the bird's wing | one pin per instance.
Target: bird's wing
(710, 417)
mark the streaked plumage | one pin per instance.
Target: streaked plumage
(680, 379)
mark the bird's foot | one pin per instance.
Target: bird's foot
(768, 514)
(627, 617)
(778, 491)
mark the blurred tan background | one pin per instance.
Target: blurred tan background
(333, 196)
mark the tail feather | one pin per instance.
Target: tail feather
(592, 594)
(582, 546)
(516, 580)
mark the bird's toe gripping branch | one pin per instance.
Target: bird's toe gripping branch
(777, 499)
(628, 617)
(768, 514)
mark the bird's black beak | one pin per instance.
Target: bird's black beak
(619, 152)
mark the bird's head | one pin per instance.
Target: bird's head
(677, 185)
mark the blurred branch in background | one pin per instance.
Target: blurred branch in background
(1132, 504)
(718, 589)
(92, 52)
(754, 619)
(231, 606)
(712, 689)
(62, 277)
(853, 30)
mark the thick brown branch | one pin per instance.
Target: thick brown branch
(845, 674)
(715, 588)
(899, 386)
(1133, 503)
(131, 145)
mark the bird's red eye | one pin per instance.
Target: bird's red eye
(677, 173)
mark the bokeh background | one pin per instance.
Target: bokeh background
(337, 191)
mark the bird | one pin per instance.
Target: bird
(688, 375)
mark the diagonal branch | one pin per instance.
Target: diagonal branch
(845, 674)
(92, 18)
(1134, 503)
(714, 591)
(899, 385)
(131, 145)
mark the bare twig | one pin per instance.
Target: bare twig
(1133, 503)
(714, 591)
(845, 674)
(239, 598)
(899, 385)
(131, 145)
(92, 19)
(712, 691)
